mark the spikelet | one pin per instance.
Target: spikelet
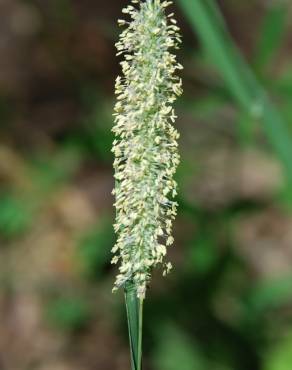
(145, 147)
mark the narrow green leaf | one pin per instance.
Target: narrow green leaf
(134, 307)
(271, 33)
(206, 20)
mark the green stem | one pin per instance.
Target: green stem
(207, 21)
(134, 307)
(140, 335)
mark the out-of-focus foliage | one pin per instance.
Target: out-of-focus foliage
(15, 216)
(180, 349)
(228, 303)
(93, 250)
(68, 313)
(279, 357)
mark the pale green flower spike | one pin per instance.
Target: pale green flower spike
(145, 148)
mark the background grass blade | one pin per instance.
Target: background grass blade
(206, 20)
(134, 307)
(271, 34)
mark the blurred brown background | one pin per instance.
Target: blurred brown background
(228, 303)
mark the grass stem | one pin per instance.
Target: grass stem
(134, 306)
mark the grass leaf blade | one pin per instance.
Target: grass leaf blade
(271, 33)
(206, 20)
(134, 307)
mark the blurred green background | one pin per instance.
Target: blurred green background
(228, 303)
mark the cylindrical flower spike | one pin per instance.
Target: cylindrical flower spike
(145, 148)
